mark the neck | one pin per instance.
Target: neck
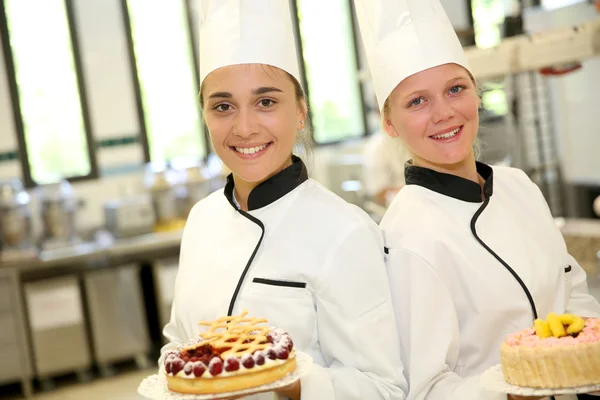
(466, 168)
(242, 188)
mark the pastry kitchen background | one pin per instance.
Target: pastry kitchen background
(103, 152)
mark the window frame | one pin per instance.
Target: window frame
(28, 180)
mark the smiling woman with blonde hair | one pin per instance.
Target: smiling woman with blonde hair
(474, 253)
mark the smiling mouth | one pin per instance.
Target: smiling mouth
(448, 135)
(251, 150)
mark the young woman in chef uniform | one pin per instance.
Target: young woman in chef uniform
(474, 253)
(275, 242)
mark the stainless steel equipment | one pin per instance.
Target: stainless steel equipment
(130, 216)
(195, 184)
(57, 325)
(161, 183)
(117, 316)
(58, 211)
(16, 237)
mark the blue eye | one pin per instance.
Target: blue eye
(456, 89)
(416, 102)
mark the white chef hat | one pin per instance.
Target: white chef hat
(403, 37)
(246, 32)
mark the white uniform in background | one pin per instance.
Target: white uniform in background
(384, 159)
(455, 301)
(307, 261)
(464, 272)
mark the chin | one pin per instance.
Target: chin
(252, 176)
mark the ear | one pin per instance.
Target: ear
(302, 113)
(389, 128)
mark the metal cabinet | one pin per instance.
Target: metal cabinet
(117, 316)
(57, 324)
(14, 352)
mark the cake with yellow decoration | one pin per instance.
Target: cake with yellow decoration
(235, 353)
(561, 352)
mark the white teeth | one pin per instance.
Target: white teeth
(250, 150)
(447, 135)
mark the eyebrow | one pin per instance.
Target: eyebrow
(458, 78)
(263, 90)
(256, 92)
(219, 95)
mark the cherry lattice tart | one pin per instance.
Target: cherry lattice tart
(235, 353)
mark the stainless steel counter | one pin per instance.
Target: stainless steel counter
(144, 246)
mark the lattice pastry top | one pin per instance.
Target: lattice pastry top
(237, 335)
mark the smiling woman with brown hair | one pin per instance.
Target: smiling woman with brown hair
(275, 242)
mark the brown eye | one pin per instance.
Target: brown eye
(266, 103)
(222, 107)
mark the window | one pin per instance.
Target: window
(488, 17)
(329, 57)
(167, 78)
(48, 89)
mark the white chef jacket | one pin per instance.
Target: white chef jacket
(455, 302)
(384, 159)
(308, 262)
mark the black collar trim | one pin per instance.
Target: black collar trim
(273, 188)
(452, 185)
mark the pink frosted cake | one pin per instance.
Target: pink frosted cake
(561, 352)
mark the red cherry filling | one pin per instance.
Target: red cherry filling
(269, 338)
(232, 364)
(271, 354)
(259, 359)
(177, 366)
(282, 353)
(216, 367)
(188, 369)
(290, 345)
(199, 369)
(248, 362)
(206, 358)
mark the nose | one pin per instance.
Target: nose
(442, 111)
(245, 124)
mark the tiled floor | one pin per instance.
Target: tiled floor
(120, 387)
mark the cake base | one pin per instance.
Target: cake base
(232, 383)
(551, 367)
